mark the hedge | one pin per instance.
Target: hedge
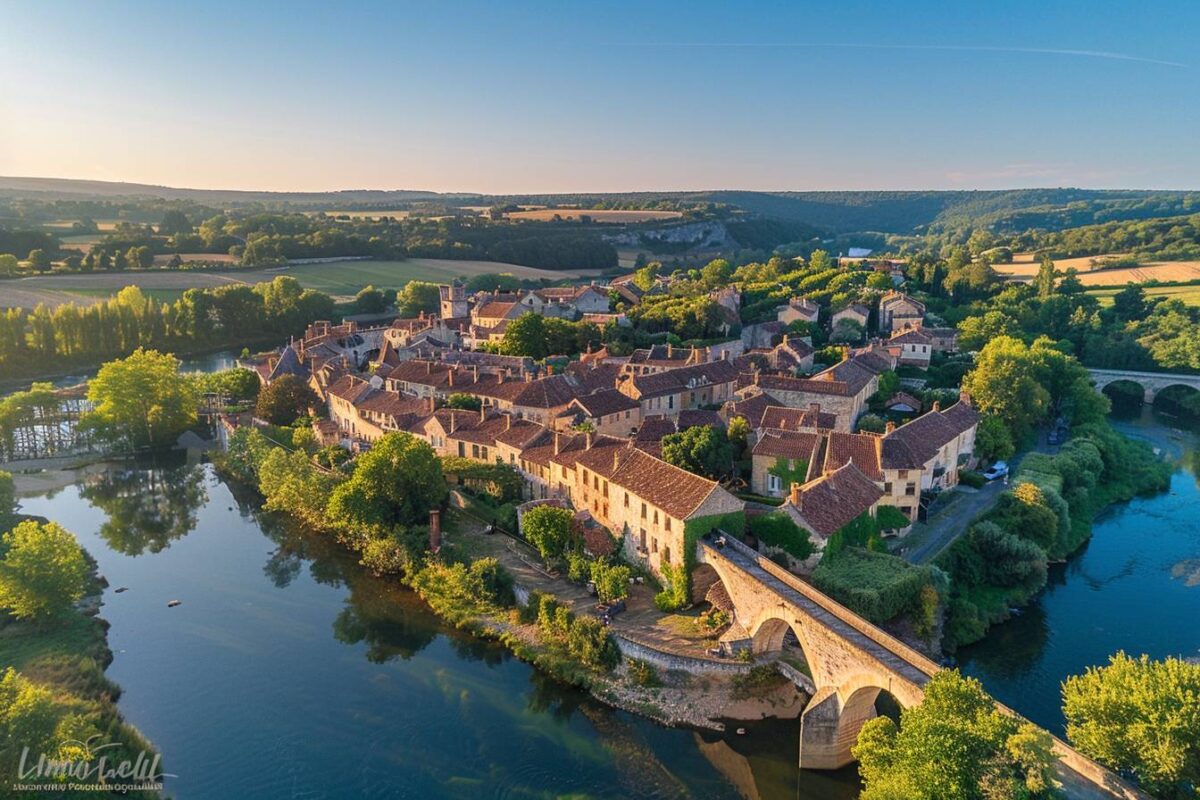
(876, 586)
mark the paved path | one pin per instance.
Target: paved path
(948, 524)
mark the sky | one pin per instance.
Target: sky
(610, 96)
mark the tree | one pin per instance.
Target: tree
(43, 572)
(1046, 277)
(525, 336)
(370, 301)
(847, 330)
(701, 449)
(8, 500)
(716, 273)
(397, 482)
(1139, 715)
(993, 439)
(174, 222)
(461, 400)
(956, 743)
(9, 265)
(612, 581)
(28, 716)
(1005, 383)
(39, 261)
(738, 433)
(548, 528)
(290, 483)
(417, 297)
(819, 261)
(976, 331)
(141, 401)
(1130, 303)
(284, 400)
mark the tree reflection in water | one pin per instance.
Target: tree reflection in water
(148, 506)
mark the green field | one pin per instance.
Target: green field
(1188, 294)
(338, 278)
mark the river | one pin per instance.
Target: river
(213, 361)
(287, 672)
(1134, 587)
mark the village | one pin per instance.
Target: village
(587, 434)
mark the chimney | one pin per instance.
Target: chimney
(450, 374)
(814, 408)
(724, 355)
(616, 454)
(435, 530)
(500, 377)
(432, 404)
(453, 420)
(507, 422)
(428, 367)
(529, 377)
(785, 343)
(670, 350)
(556, 443)
(475, 371)
(796, 498)
(964, 398)
(891, 426)
(755, 373)
(482, 412)
(937, 405)
(587, 441)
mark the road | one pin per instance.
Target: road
(948, 524)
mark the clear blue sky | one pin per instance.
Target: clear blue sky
(603, 96)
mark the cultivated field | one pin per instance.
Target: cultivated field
(1188, 294)
(339, 278)
(398, 214)
(597, 215)
(1023, 268)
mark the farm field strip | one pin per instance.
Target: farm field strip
(339, 278)
(1166, 271)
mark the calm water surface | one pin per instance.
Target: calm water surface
(1135, 587)
(288, 673)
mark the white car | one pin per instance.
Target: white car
(997, 470)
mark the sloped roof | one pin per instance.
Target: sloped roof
(828, 503)
(788, 444)
(605, 402)
(861, 449)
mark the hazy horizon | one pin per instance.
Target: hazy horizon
(542, 98)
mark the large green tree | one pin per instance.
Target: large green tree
(1140, 715)
(141, 401)
(525, 336)
(417, 297)
(548, 528)
(397, 482)
(955, 744)
(701, 449)
(284, 400)
(43, 572)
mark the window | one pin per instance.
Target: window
(653, 544)
(642, 535)
(656, 516)
(666, 554)
(668, 519)
(910, 489)
(643, 510)
(774, 483)
(627, 499)
(887, 487)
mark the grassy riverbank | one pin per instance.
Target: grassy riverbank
(66, 658)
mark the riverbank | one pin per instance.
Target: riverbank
(68, 658)
(999, 566)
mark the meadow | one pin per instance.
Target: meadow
(342, 279)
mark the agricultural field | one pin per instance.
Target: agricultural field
(369, 215)
(342, 279)
(597, 215)
(1188, 294)
(1023, 268)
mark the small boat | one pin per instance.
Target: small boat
(173, 603)
(121, 589)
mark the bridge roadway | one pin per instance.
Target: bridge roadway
(851, 661)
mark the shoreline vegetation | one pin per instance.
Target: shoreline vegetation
(54, 694)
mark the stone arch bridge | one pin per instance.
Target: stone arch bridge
(1151, 382)
(851, 661)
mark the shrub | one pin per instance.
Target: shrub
(778, 530)
(674, 595)
(877, 586)
(971, 478)
(612, 582)
(643, 673)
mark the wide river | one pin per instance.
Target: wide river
(287, 672)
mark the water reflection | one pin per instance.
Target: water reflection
(146, 508)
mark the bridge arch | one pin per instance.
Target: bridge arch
(1178, 398)
(1125, 390)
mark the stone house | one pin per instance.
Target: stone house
(826, 504)
(798, 309)
(671, 391)
(898, 311)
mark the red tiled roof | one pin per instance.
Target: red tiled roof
(828, 503)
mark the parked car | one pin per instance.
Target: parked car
(997, 470)
(610, 610)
